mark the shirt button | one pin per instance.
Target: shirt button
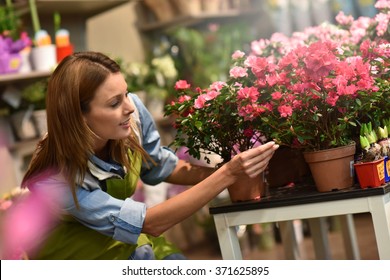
(112, 218)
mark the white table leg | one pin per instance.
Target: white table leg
(380, 212)
(289, 240)
(349, 237)
(228, 240)
(319, 234)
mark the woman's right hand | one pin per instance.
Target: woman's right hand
(253, 161)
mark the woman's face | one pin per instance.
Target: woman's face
(110, 110)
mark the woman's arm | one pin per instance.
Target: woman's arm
(168, 213)
(185, 173)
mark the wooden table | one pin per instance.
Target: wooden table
(305, 202)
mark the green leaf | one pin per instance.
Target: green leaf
(198, 125)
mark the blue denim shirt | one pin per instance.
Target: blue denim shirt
(121, 219)
(151, 142)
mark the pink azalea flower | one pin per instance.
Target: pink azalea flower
(342, 19)
(238, 54)
(249, 93)
(184, 98)
(217, 85)
(276, 95)
(200, 101)
(181, 85)
(382, 4)
(285, 111)
(238, 72)
(211, 94)
(383, 23)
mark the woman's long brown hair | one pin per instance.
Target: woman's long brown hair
(69, 141)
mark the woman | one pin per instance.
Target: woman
(100, 140)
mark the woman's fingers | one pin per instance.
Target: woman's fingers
(254, 161)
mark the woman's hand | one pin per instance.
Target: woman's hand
(253, 161)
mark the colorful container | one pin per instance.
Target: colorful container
(387, 169)
(370, 174)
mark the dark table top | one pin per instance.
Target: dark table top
(295, 195)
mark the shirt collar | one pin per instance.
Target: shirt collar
(110, 166)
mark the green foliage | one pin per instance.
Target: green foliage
(156, 76)
(10, 23)
(204, 54)
(35, 94)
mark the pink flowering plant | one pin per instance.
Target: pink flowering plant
(214, 119)
(310, 90)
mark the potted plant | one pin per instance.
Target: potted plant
(12, 40)
(34, 95)
(371, 163)
(305, 91)
(213, 121)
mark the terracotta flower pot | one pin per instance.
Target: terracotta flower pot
(370, 174)
(332, 169)
(286, 166)
(247, 188)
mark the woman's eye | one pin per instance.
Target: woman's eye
(118, 100)
(115, 104)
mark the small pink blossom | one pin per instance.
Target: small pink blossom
(382, 4)
(184, 98)
(383, 23)
(217, 85)
(182, 85)
(276, 95)
(211, 94)
(200, 101)
(249, 93)
(238, 54)
(285, 111)
(332, 99)
(249, 112)
(238, 85)
(342, 19)
(238, 72)
(257, 47)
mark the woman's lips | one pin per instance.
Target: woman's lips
(126, 122)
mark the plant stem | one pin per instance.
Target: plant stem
(34, 16)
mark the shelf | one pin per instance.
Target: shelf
(73, 7)
(18, 77)
(24, 147)
(188, 20)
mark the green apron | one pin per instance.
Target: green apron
(72, 240)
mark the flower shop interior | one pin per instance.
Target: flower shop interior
(160, 42)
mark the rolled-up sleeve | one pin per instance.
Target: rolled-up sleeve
(165, 159)
(120, 219)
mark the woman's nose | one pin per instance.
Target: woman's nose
(128, 106)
